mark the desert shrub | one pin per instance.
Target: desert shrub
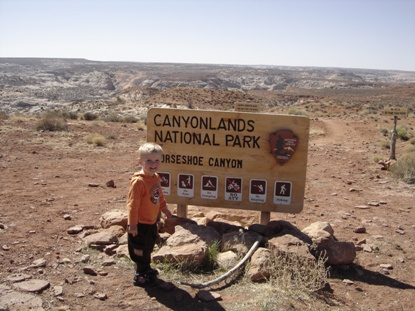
(3, 115)
(296, 273)
(96, 139)
(403, 133)
(130, 119)
(297, 112)
(72, 115)
(404, 168)
(112, 118)
(52, 121)
(385, 144)
(317, 132)
(409, 149)
(141, 125)
(212, 254)
(384, 132)
(89, 116)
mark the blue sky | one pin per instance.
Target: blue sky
(374, 34)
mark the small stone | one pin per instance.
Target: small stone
(373, 203)
(74, 230)
(33, 286)
(367, 248)
(5, 248)
(101, 296)
(108, 262)
(206, 296)
(19, 277)
(111, 184)
(360, 229)
(362, 206)
(400, 231)
(89, 271)
(377, 237)
(94, 185)
(386, 266)
(360, 242)
(67, 217)
(57, 290)
(348, 282)
(85, 258)
(41, 262)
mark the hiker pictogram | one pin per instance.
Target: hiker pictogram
(282, 192)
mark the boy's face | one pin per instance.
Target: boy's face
(150, 163)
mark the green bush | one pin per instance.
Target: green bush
(89, 116)
(403, 133)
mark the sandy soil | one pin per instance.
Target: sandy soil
(45, 176)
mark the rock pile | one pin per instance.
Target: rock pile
(186, 242)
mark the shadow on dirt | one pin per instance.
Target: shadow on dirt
(180, 300)
(358, 273)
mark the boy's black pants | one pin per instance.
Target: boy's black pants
(141, 246)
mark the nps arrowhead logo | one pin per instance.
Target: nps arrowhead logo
(283, 145)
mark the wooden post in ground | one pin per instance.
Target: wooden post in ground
(265, 218)
(393, 139)
(182, 210)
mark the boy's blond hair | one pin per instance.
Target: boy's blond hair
(149, 148)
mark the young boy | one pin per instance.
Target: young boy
(145, 200)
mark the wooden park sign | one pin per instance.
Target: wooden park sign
(235, 160)
(395, 111)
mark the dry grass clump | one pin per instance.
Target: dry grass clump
(96, 139)
(3, 115)
(141, 126)
(404, 168)
(52, 121)
(294, 273)
(293, 279)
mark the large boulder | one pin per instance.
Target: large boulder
(260, 267)
(114, 217)
(239, 242)
(187, 246)
(337, 253)
(288, 245)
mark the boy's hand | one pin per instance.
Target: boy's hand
(132, 230)
(167, 213)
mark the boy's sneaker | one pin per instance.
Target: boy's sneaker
(152, 272)
(142, 280)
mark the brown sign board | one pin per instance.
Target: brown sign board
(395, 111)
(231, 159)
(246, 107)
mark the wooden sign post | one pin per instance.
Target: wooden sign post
(395, 112)
(235, 160)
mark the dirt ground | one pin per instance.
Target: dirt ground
(47, 175)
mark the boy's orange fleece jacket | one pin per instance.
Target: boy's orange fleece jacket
(145, 199)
